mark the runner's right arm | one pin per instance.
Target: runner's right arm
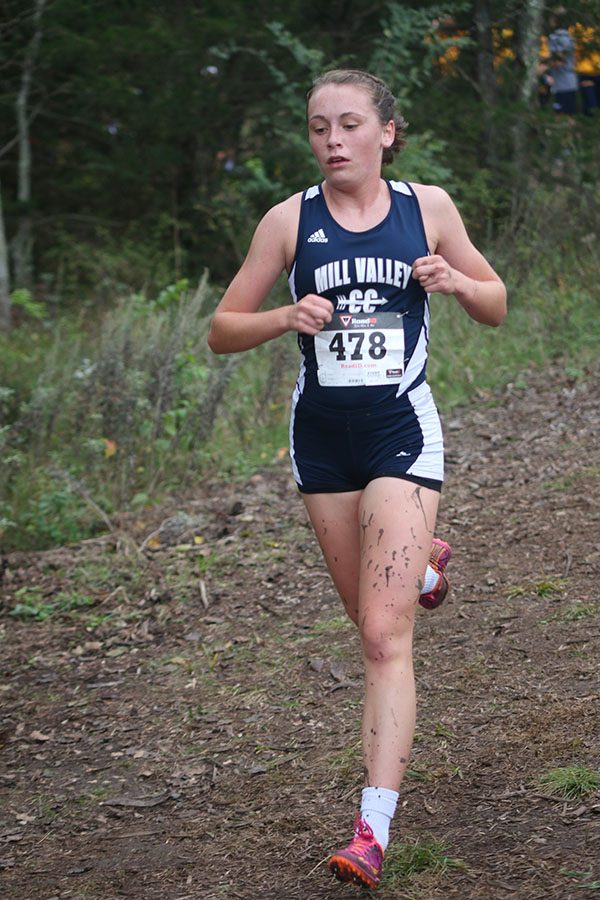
(237, 323)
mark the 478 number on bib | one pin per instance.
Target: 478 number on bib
(349, 344)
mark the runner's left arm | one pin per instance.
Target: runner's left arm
(456, 266)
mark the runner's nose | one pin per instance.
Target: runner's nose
(334, 138)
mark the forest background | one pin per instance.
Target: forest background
(140, 143)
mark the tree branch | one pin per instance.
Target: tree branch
(10, 144)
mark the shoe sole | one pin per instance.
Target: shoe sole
(346, 871)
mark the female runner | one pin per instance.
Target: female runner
(362, 255)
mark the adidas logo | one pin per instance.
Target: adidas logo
(318, 237)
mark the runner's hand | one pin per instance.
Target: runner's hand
(434, 274)
(310, 314)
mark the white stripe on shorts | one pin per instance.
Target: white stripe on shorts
(430, 463)
(295, 398)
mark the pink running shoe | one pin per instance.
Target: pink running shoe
(439, 559)
(362, 860)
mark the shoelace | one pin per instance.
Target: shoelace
(364, 833)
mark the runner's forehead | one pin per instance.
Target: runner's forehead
(340, 99)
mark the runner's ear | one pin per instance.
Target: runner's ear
(389, 133)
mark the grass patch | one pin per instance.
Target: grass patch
(32, 605)
(442, 730)
(204, 563)
(92, 797)
(475, 666)
(105, 574)
(405, 860)
(338, 623)
(488, 358)
(573, 613)
(96, 620)
(418, 774)
(570, 782)
(585, 880)
(545, 587)
(568, 482)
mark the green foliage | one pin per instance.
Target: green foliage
(423, 160)
(96, 268)
(573, 613)
(22, 299)
(570, 782)
(32, 605)
(585, 879)
(194, 123)
(54, 515)
(552, 305)
(545, 587)
(125, 413)
(407, 56)
(404, 861)
(338, 623)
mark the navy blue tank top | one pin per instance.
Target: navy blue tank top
(376, 347)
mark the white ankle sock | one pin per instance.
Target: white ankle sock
(431, 579)
(377, 809)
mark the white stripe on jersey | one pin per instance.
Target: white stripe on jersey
(292, 283)
(401, 187)
(418, 357)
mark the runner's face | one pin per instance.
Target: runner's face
(346, 135)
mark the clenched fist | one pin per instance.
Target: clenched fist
(310, 314)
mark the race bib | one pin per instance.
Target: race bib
(361, 350)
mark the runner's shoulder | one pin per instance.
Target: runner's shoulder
(283, 214)
(278, 228)
(432, 196)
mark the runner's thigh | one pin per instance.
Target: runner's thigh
(334, 518)
(397, 520)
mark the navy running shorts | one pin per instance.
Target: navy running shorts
(333, 450)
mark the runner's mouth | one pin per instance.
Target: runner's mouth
(336, 159)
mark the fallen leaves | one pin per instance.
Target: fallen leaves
(39, 736)
(139, 802)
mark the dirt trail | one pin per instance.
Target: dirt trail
(182, 721)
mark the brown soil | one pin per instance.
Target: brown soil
(192, 729)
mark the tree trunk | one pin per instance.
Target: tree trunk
(22, 243)
(528, 50)
(5, 309)
(486, 77)
(530, 32)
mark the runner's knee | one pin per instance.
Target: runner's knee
(384, 641)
